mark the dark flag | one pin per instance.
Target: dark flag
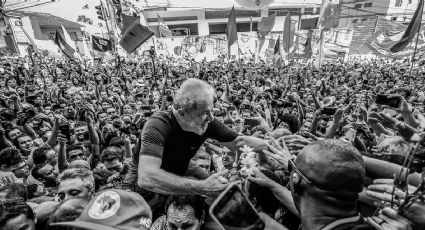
(127, 20)
(287, 33)
(134, 36)
(309, 23)
(66, 49)
(101, 44)
(265, 25)
(411, 30)
(231, 29)
(307, 45)
(277, 47)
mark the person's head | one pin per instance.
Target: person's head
(75, 152)
(228, 159)
(22, 170)
(46, 174)
(15, 214)
(112, 209)
(262, 197)
(111, 112)
(42, 155)
(203, 160)
(112, 157)
(80, 130)
(13, 191)
(102, 116)
(127, 109)
(25, 143)
(184, 212)
(290, 122)
(69, 210)
(10, 158)
(194, 104)
(76, 182)
(14, 133)
(329, 173)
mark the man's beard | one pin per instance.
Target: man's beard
(198, 129)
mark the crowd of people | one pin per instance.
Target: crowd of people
(134, 144)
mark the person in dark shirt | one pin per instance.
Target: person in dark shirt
(171, 139)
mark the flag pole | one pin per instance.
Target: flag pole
(414, 51)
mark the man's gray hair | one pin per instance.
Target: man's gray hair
(85, 175)
(191, 93)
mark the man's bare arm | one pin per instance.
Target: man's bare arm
(153, 178)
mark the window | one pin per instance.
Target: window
(398, 3)
(368, 4)
(308, 10)
(357, 6)
(393, 18)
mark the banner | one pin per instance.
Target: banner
(387, 34)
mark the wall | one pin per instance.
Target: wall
(203, 18)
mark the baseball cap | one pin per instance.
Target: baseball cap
(114, 209)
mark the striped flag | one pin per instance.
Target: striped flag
(163, 28)
(64, 47)
(387, 34)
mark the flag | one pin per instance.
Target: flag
(101, 44)
(86, 51)
(134, 36)
(127, 20)
(277, 47)
(309, 23)
(329, 15)
(163, 28)
(387, 34)
(264, 27)
(68, 39)
(277, 59)
(287, 33)
(411, 30)
(307, 45)
(65, 48)
(231, 29)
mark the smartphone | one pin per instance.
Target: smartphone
(384, 99)
(329, 111)
(65, 130)
(252, 122)
(233, 210)
(351, 134)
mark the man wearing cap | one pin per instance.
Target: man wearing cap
(171, 139)
(113, 210)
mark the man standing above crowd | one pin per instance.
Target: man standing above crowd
(171, 139)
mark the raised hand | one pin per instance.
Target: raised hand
(388, 219)
(259, 178)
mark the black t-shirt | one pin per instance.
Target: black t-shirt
(162, 137)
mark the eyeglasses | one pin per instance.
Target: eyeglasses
(293, 167)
